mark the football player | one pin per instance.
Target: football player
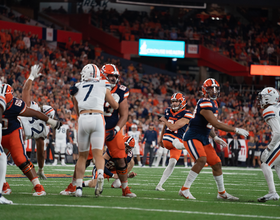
(176, 120)
(268, 99)
(136, 136)
(12, 139)
(3, 157)
(197, 143)
(89, 96)
(61, 136)
(34, 128)
(115, 120)
(110, 168)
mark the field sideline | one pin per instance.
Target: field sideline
(247, 184)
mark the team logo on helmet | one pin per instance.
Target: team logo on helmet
(49, 111)
(178, 97)
(268, 96)
(212, 88)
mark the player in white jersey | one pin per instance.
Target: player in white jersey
(88, 97)
(61, 136)
(136, 135)
(34, 128)
(268, 99)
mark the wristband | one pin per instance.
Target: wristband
(117, 128)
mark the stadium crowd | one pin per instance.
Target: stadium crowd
(149, 94)
(247, 44)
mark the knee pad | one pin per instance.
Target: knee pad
(26, 166)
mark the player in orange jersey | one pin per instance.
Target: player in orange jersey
(196, 139)
(12, 139)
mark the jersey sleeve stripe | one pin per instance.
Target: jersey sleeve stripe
(267, 116)
(126, 95)
(188, 115)
(23, 110)
(270, 112)
(206, 104)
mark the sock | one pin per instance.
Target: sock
(55, 160)
(74, 162)
(168, 171)
(124, 184)
(164, 160)
(79, 183)
(190, 179)
(62, 161)
(158, 158)
(73, 181)
(35, 181)
(186, 164)
(100, 172)
(220, 183)
(139, 163)
(85, 183)
(40, 169)
(267, 172)
(3, 165)
(192, 163)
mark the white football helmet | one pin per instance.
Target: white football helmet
(48, 110)
(268, 95)
(90, 71)
(134, 126)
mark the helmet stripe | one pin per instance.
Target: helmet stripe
(94, 71)
(213, 82)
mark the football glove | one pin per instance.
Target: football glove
(241, 131)
(73, 90)
(220, 141)
(54, 123)
(35, 72)
(111, 134)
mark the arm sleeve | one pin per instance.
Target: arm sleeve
(274, 124)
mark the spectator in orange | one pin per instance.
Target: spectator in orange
(97, 51)
(20, 44)
(69, 44)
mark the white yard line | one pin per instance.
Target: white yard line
(149, 210)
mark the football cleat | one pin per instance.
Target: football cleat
(54, 163)
(99, 185)
(69, 190)
(226, 195)
(39, 190)
(79, 192)
(41, 175)
(3, 200)
(128, 193)
(6, 190)
(186, 193)
(63, 164)
(269, 196)
(159, 188)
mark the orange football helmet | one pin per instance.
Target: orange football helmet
(212, 88)
(111, 70)
(7, 92)
(129, 141)
(178, 97)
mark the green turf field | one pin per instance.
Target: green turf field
(247, 184)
